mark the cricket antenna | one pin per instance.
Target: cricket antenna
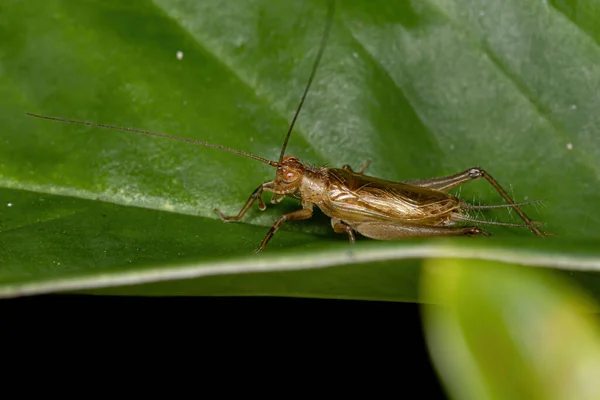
(312, 75)
(162, 135)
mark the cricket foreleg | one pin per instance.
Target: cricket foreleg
(362, 168)
(341, 227)
(382, 231)
(256, 195)
(448, 182)
(298, 215)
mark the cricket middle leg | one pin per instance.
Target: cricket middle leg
(304, 213)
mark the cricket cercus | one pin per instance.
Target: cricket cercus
(375, 208)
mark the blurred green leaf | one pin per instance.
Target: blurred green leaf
(422, 89)
(503, 332)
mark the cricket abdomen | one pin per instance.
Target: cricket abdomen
(357, 199)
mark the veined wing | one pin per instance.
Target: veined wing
(351, 194)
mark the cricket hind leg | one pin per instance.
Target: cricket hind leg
(362, 169)
(298, 215)
(382, 231)
(446, 183)
(340, 227)
(255, 196)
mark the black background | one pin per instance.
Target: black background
(316, 338)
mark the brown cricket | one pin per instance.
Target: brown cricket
(375, 208)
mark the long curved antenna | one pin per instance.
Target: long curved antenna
(163, 135)
(312, 75)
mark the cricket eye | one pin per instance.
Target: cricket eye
(290, 176)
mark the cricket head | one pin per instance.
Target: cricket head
(289, 175)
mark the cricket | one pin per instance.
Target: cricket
(375, 208)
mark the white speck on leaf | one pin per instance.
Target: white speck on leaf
(569, 146)
(179, 55)
(9, 204)
(573, 107)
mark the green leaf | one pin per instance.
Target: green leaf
(422, 89)
(508, 333)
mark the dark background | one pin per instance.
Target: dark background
(369, 339)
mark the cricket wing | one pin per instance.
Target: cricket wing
(358, 198)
